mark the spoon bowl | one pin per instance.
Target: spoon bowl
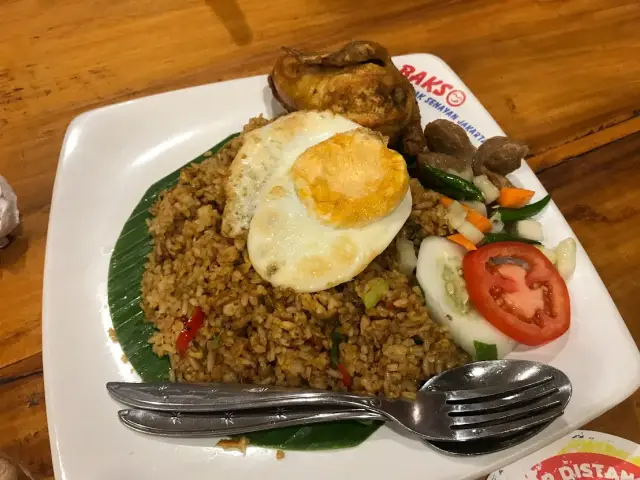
(487, 373)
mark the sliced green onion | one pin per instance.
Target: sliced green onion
(336, 339)
(374, 291)
(485, 351)
(215, 341)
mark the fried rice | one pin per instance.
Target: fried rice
(261, 334)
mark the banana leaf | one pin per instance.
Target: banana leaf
(133, 332)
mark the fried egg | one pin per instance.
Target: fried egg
(266, 150)
(321, 198)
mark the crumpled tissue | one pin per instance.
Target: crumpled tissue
(9, 215)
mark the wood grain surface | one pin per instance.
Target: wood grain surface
(562, 75)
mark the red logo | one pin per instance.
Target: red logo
(573, 466)
(433, 85)
(456, 98)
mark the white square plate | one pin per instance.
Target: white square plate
(112, 155)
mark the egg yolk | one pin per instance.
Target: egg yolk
(351, 179)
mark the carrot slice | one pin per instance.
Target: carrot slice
(514, 197)
(462, 240)
(478, 220)
(446, 201)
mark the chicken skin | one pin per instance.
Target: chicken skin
(358, 81)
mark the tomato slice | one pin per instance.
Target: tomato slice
(516, 288)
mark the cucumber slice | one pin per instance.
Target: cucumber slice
(438, 272)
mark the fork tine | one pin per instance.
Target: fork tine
(506, 403)
(499, 391)
(509, 428)
(505, 416)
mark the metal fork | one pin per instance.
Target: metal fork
(453, 415)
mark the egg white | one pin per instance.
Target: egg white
(290, 247)
(270, 149)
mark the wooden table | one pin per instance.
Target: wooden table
(562, 75)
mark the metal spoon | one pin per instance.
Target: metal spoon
(472, 376)
(476, 375)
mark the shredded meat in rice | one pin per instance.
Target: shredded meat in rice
(256, 333)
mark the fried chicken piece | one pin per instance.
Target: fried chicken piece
(358, 81)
